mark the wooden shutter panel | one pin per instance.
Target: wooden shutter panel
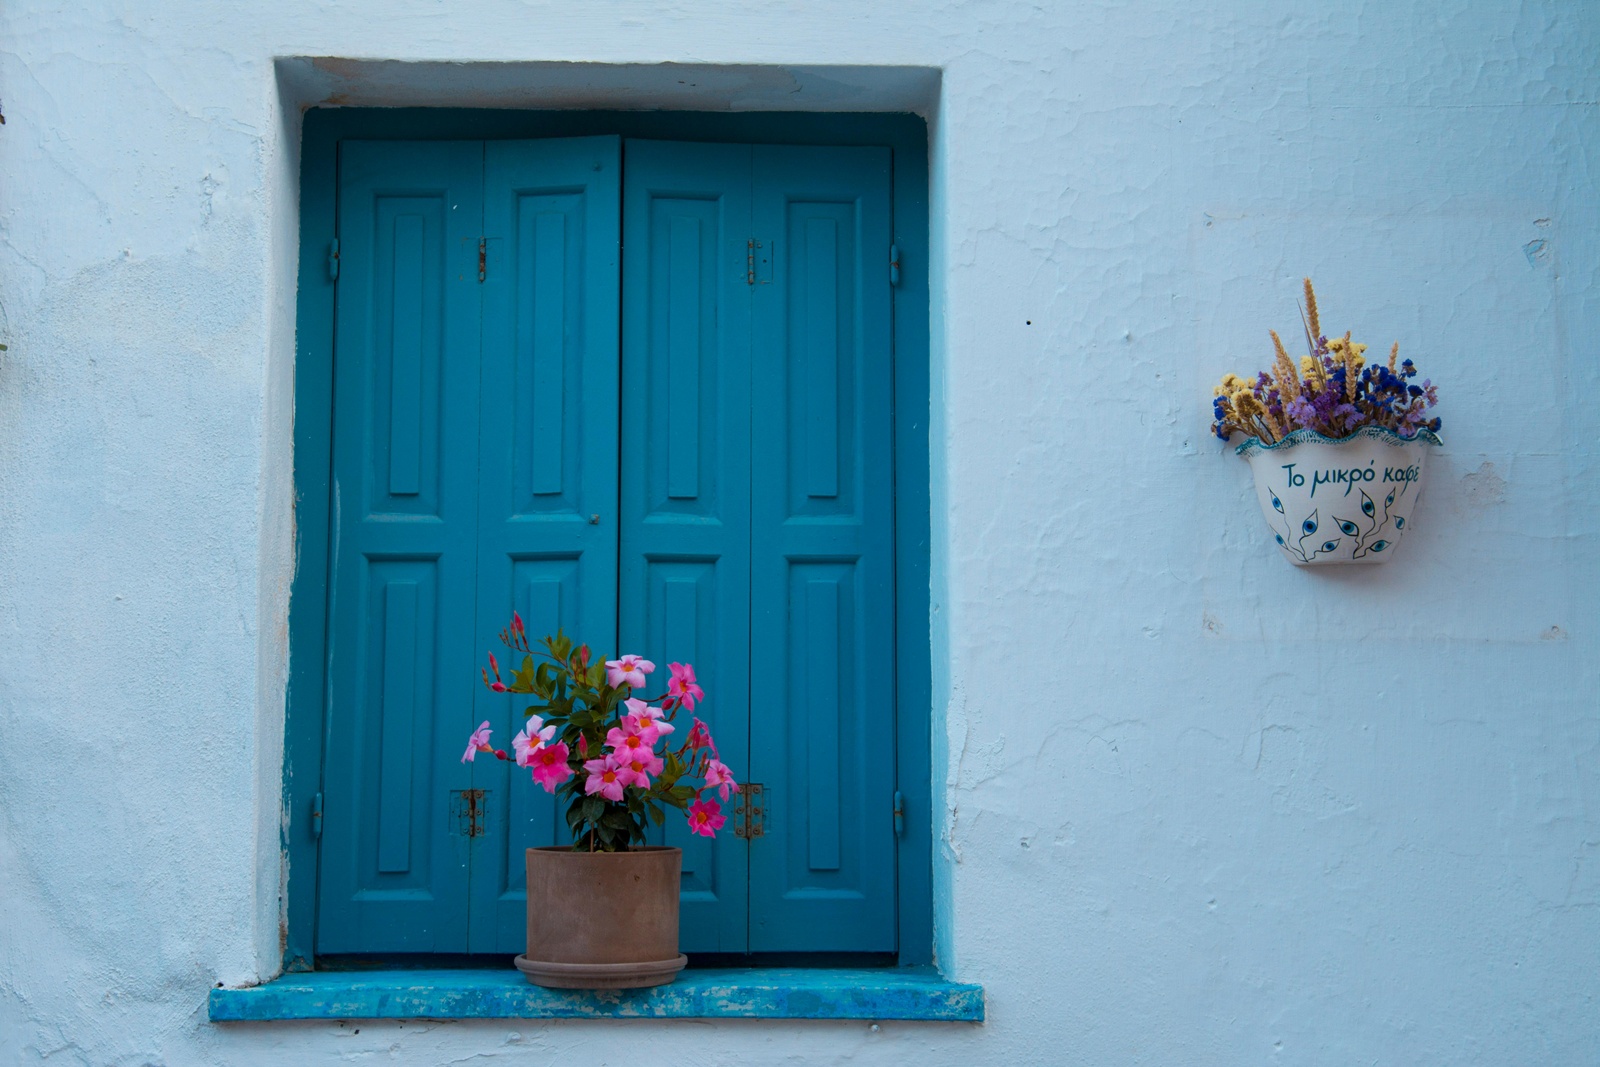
(401, 634)
(686, 472)
(547, 470)
(822, 556)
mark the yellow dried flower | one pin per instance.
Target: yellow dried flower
(1287, 381)
(1231, 383)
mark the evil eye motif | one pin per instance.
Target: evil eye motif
(1389, 499)
(1379, 546)
(1399, 522)
(1280, 540)
(1368, 508)
(1347, 526)
(1329, 546)
(1277, 505)
(1309, 527)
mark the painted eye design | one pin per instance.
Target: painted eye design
(1280, 540)
(1368, 508)
(1347, 526)
(1277, 504)
(1329, 546)
(1309, 527)
(1399, 523)
(1389, 499)
(1379, 546)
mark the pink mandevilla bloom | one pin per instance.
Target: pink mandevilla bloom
(637, 769)
(550, 765)
(681, 689)
(478, 742)
(700, 737)
(629, 670)
(642, 717)
(530, 739)
(706, 818)
(718, 777)
(605, 778)
(627, 745)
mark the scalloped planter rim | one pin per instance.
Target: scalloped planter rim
(1345, 500)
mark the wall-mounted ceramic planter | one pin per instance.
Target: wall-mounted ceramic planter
(1339, 501)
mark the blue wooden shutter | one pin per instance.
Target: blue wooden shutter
(822, 556)
(401, 638)
(686, 471)
(547, 471)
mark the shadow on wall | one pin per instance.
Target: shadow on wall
(311, 81)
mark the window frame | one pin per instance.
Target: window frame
(305, 727)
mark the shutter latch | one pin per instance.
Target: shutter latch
(316, 817)
(333, 261)
(894, 264)
(899, 814)
(749, 818)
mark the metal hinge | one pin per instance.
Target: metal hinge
(483, 257)
(757, 262)
(333, 261)
(899, 814)
(316, 817)
(749, 818)
(468, 808)
(894, 264)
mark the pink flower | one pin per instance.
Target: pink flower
(478, 742)
(718, 777)
(530, 739)
(706, 818)
(682, 688)
(605, 778)
(627, 745)
(497, 685)
(549, 764)
(700, 737)
(637, 769)
(642, 717)
(629, 670)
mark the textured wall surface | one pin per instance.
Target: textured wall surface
(1197, 806)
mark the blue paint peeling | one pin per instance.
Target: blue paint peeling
(697, 994)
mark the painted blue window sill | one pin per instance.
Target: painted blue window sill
(759, 993)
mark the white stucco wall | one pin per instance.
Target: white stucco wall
(1199, 807)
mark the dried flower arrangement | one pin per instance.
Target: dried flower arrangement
(1334, 393)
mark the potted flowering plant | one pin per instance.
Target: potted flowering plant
(603, 912)
(1337, 446)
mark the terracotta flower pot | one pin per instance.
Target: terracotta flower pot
(602, 920)
(1338, 501)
